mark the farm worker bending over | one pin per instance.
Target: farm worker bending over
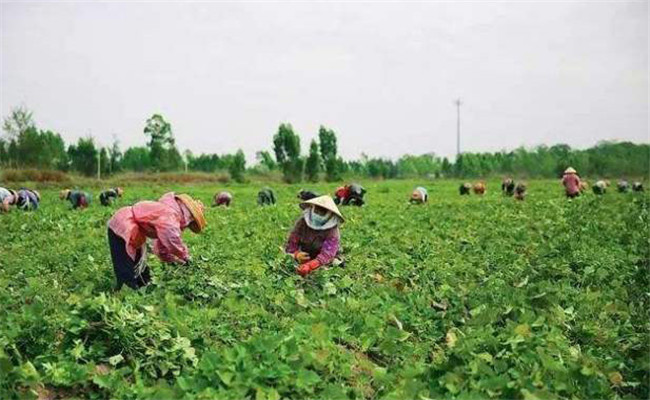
(162, 220)
(350, 194)
(107, 197)
(7, 198)
(222, 199)
(314, 240)
(419, 196)
(266, 197)
(520, 191)
(508, 187)
(77, 198)
(600, 187)
(637, 187)
(465, 189)
(571, 183)
(479, 188)
(28, 200)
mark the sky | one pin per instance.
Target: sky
(382, 75)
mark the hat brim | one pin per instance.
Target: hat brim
(193, 206)
(325, 202)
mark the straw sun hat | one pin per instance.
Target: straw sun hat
(570, 170)
(325, 202)
(196, 209)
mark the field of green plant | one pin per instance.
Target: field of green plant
(466, 297)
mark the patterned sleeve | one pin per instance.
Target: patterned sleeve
(294, 239)
(330, 248)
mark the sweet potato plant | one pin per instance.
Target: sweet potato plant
(465, 297)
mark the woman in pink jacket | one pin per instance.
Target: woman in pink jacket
(162, 220)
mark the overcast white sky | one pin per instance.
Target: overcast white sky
(382, 75)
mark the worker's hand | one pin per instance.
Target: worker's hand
(301, 257)
(188, 262)
(306, 268)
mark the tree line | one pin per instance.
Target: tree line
(26, 146)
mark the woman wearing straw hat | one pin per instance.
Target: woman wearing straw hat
(162, 220)
(77, 198)
(571, 182)
(314, 240)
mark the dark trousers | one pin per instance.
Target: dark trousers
(124, 266)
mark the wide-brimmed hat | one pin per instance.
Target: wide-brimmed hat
(64, 194)
(325, 202)
(196, 209)
(570, 170)
(119, 191)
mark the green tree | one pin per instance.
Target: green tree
(237, 166)
(83, 156)
(163, 153)
(313, 164)
(39, 149)
(265, 160)
(136, 159)
(18, 121)
(286, 145)
(114, 158)
(328, 149)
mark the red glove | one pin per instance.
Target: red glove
(308, 267)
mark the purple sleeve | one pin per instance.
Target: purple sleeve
(292, 243)
(329, 250)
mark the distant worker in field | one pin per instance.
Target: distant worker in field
(266, 197)
(162, 220)
(623, 186)
(600, 187)
(637, 187)
(305, 195)
(28, 200)
(480, 188)
(584, 186)
(350, 195)
(8, 198)
(107, 197)
(465, 189)
(571, 182)
(314, 240)
(419, 196)
(77, 198)
(520, 191)
(222, 199)
(508, 187)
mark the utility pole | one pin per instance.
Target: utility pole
(457, 103)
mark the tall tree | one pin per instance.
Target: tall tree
(18, 121)
(83, 156)
(136, 159)
(286, 145)
(237, 166)
(264, 158)
(313, 165)
(164, 155)
(115, 158)
(328, 149)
